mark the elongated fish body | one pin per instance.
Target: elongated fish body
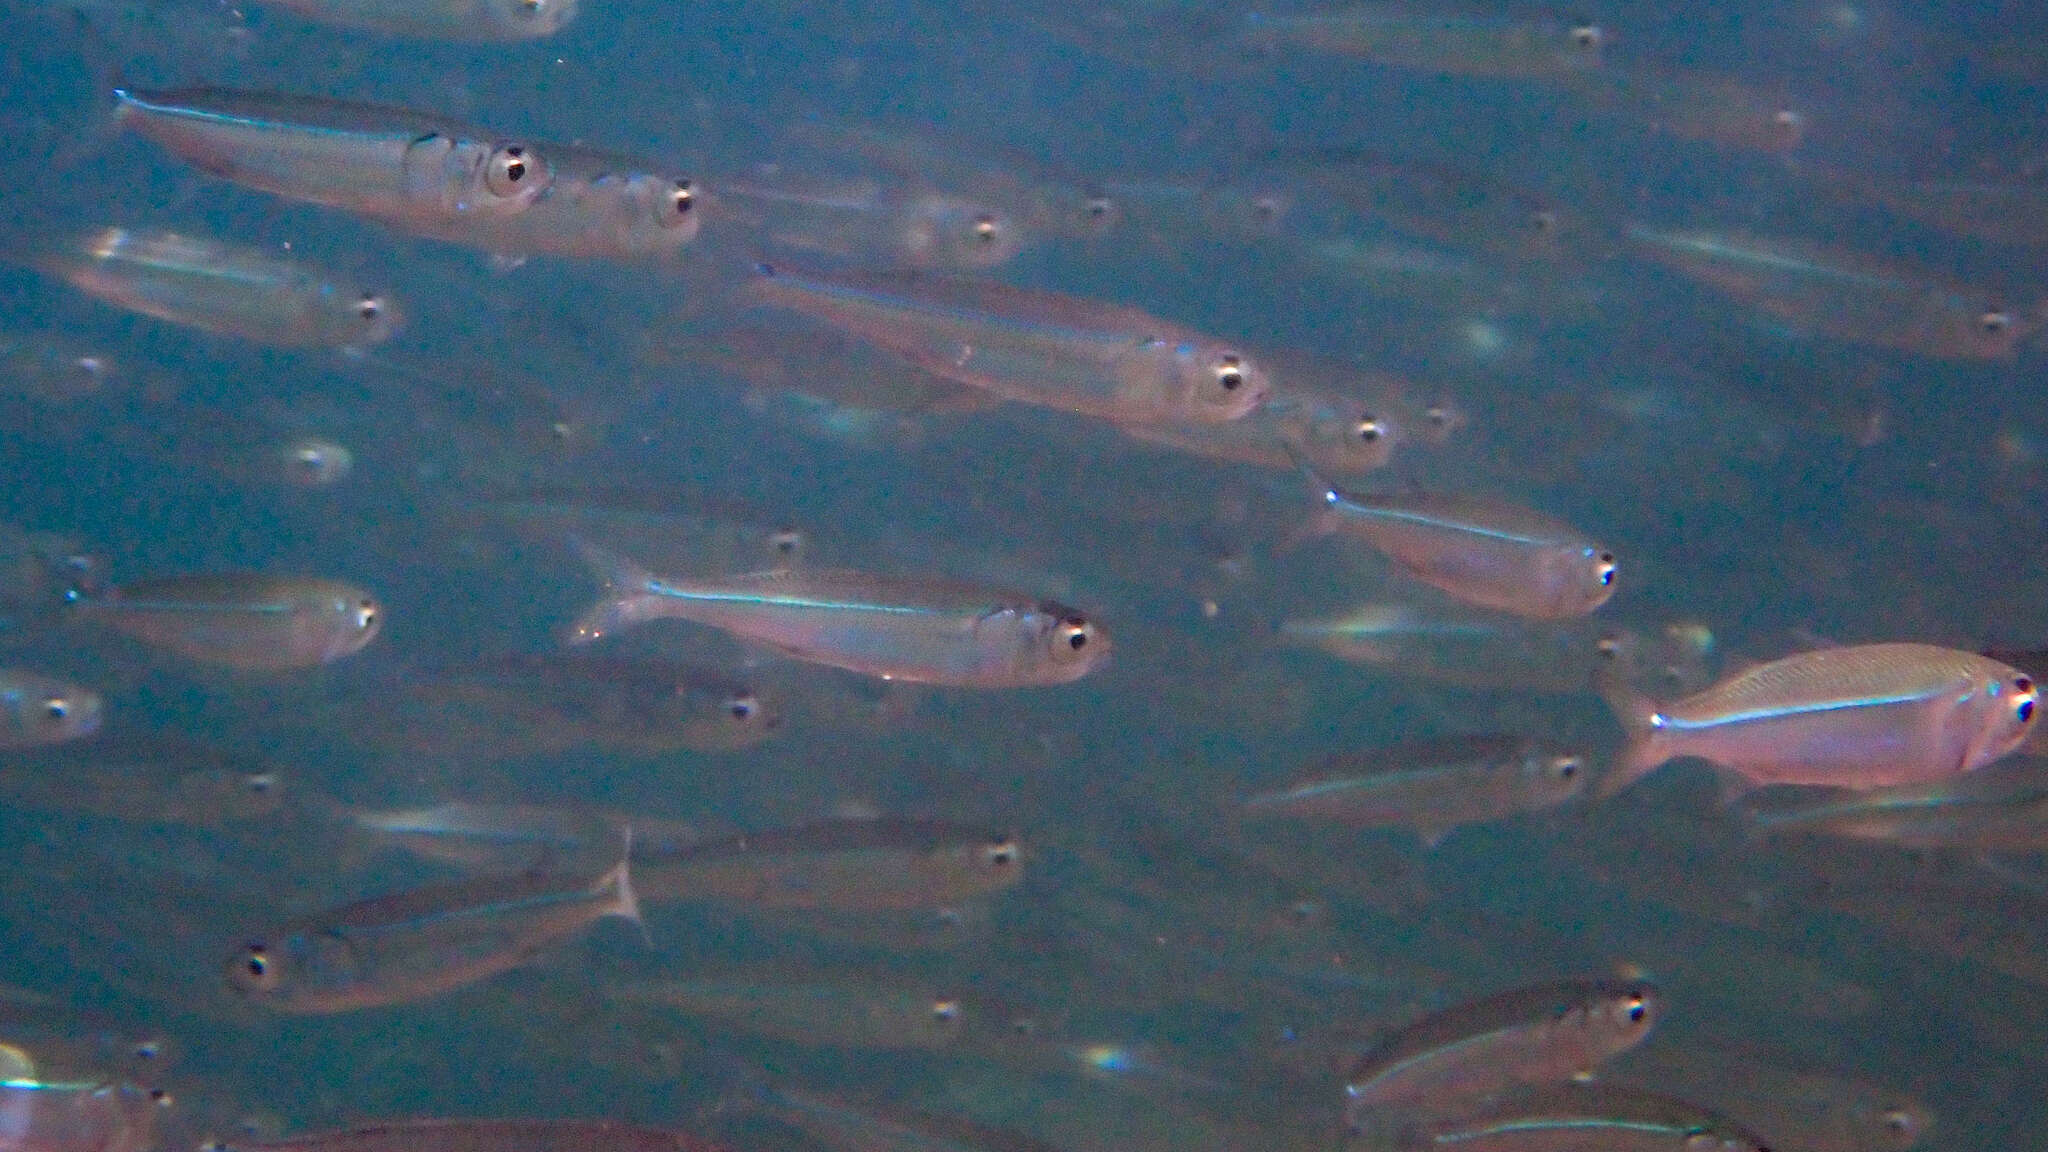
(921, 631)
(244, 620)
(223, 288)
(1848, 298)
(1431, 786)
(1861, 717)
(1103, 360)
(415, 945)
(871, 223)
(424, 174)
(848, 1013)
(81, 1116)
(1937, 815)
(1339, 436)
(485, 20)
(487, 1136)
(1483, 552)
(838, 866)
(1445, 43)
(36, 709)
(1593, 1118)
(1467, 1055)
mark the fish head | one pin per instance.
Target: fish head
(354, 618)
(941, 231)
(363, 319)
(1217, 384)
(528, 19)
(1336, 435)
(1999, 716)
(503, 178)
(1621, 1015)
(1551, 777)
(1577, 579)
(61, 712)
(232, 795)
(663, 209)
(994, 862)
(314, 462)
(1966, 327)
(1070, 644)
(1896, 1125)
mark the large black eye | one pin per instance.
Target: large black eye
(1587, 35)
(1001, 854)
(1230, 373)
(369, 308)
(1637, 1010)
(510, 168)
(256, 963)
(1994, 322)
(682, 199)
(1369, 429)
(57, 709)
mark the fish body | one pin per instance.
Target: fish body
(37, 709)
(919, 631)
(479, 20)
(151, 780)
(216, 287)
(1431, 786)
(424, 174)
(1845, 297)
(1483, 552)
(1461, 1058)
(1104, 360)
(1336, 435)
(243, 620)
(84, 1116)
(646, 706)
(839, 866)
(1442, 43)
(872, 223)
(486, 1136)
(1868, 716)
(416, 945)
(1597, 1118)
(851, 1014)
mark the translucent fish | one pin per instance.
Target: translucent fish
(564, 699)
(1452, 644)
(1444, 43)
(1868, 716)
(923, 631)
(1098, 359)
(1848, 298)
(217, 287)
(2001, 208)
(1701, 106)
(1809, 1109)
(845, 1013)
(868, 222)
(1593, 1118)
(55, 366)
(482, 836)
(37, 709)
(1484, 552)
(243, 620)
(486, 20)
(149, 780)
(419, 944)
(414, 1135)
(83, 1116)
(423, 174)
(888, 864)
(1459, 1060)
(1336, 435)
(1431, 786)
(1945, 814)
(1467, 210)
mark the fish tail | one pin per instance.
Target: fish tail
(620, 881)
(625, 601)
(1637, 715)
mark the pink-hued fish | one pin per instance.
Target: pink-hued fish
(1870, 716)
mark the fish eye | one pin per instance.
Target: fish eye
(370, 308)
(1369, 429)
(1588, 35)
(146, 1050)
(985, 228)
(945, 1011)
(1073, 634)
(532, 7)
(1898, 1121)
(682, 198)
(254, 968)
(511, 167)
(1098, 207)
(1787, 118)
(260, 782)
(742, 708)
(1544, 222)
(366, 614)
(57, 708)
(1439, 415)
(1637, 1010)
(1994, 322)
(786, 541)
(1604, 568)
(1001, 854)
(1566, 767)
(1230, 373)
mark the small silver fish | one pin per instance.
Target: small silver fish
(1431, 786)
(1861, 717)
(242, 619)
(485, 20)
(37, 709)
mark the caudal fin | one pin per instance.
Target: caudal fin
(627, 598)
(1637, 715)
(620, 882)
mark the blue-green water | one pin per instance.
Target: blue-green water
(1781, 471)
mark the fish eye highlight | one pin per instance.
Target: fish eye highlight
(742, 708)
(510, 168)
(682, 200)
(1994, 322)
(57, 708)
(1588, 35)
(1369, 430)
(1230, 373)
(1001, 854)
